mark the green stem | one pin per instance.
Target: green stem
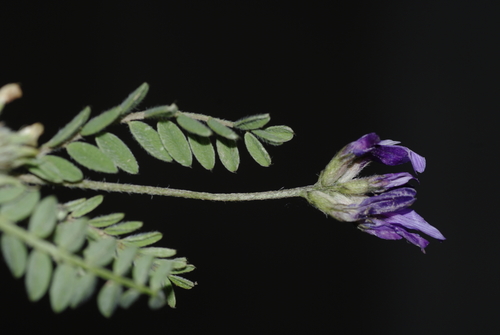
(59, 254)
(170, 192)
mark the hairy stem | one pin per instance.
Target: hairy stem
(170, 192)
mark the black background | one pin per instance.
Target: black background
(424, 73)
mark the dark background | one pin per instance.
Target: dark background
(424, 73)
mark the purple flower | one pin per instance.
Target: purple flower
(379, 204)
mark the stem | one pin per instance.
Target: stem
(58, 254)
(170, 192)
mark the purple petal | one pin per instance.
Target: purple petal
(410, 219)
(363, 144)
(391, 180)
(413, 238)
(387, 202)
(390, 154)
(384, 231)
(417, 161)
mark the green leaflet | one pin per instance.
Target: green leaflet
(62, 287)
(46, 170)
(257, 150)
(193, 126)
(108, 298)
(221, 129)
(101, 252)
(169, 291)
(160, 274)
(91, 157)
(186, 269)
(87, 206)
(124, 260)
(161, 112)
(123, 228)
(21, 207)
(118, 152)
(275, 135)
(101, 121)
(158, 252)
(84, 287)
(10, 192)
(228, 153)
(15, 254)
(175, 142)
(106, 220)
(203, 150)
(134, 99)
(129, 297)
(74, 204)
(143, 239)
(252, 122)
(158, 300)
(38, 274)
(71, 235)
(140, 271)
(69, 130)
(181, 282)
(149, 139)
(44, 217)
(66, 170)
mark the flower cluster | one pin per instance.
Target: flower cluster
(379, 204)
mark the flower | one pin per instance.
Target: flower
(378, 205)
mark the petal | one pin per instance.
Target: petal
(390, 154)
(384, 231)
(387, 202)
(363, 144)
(413, 238)
(409, 219)
(391, 180)
(417, 161)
